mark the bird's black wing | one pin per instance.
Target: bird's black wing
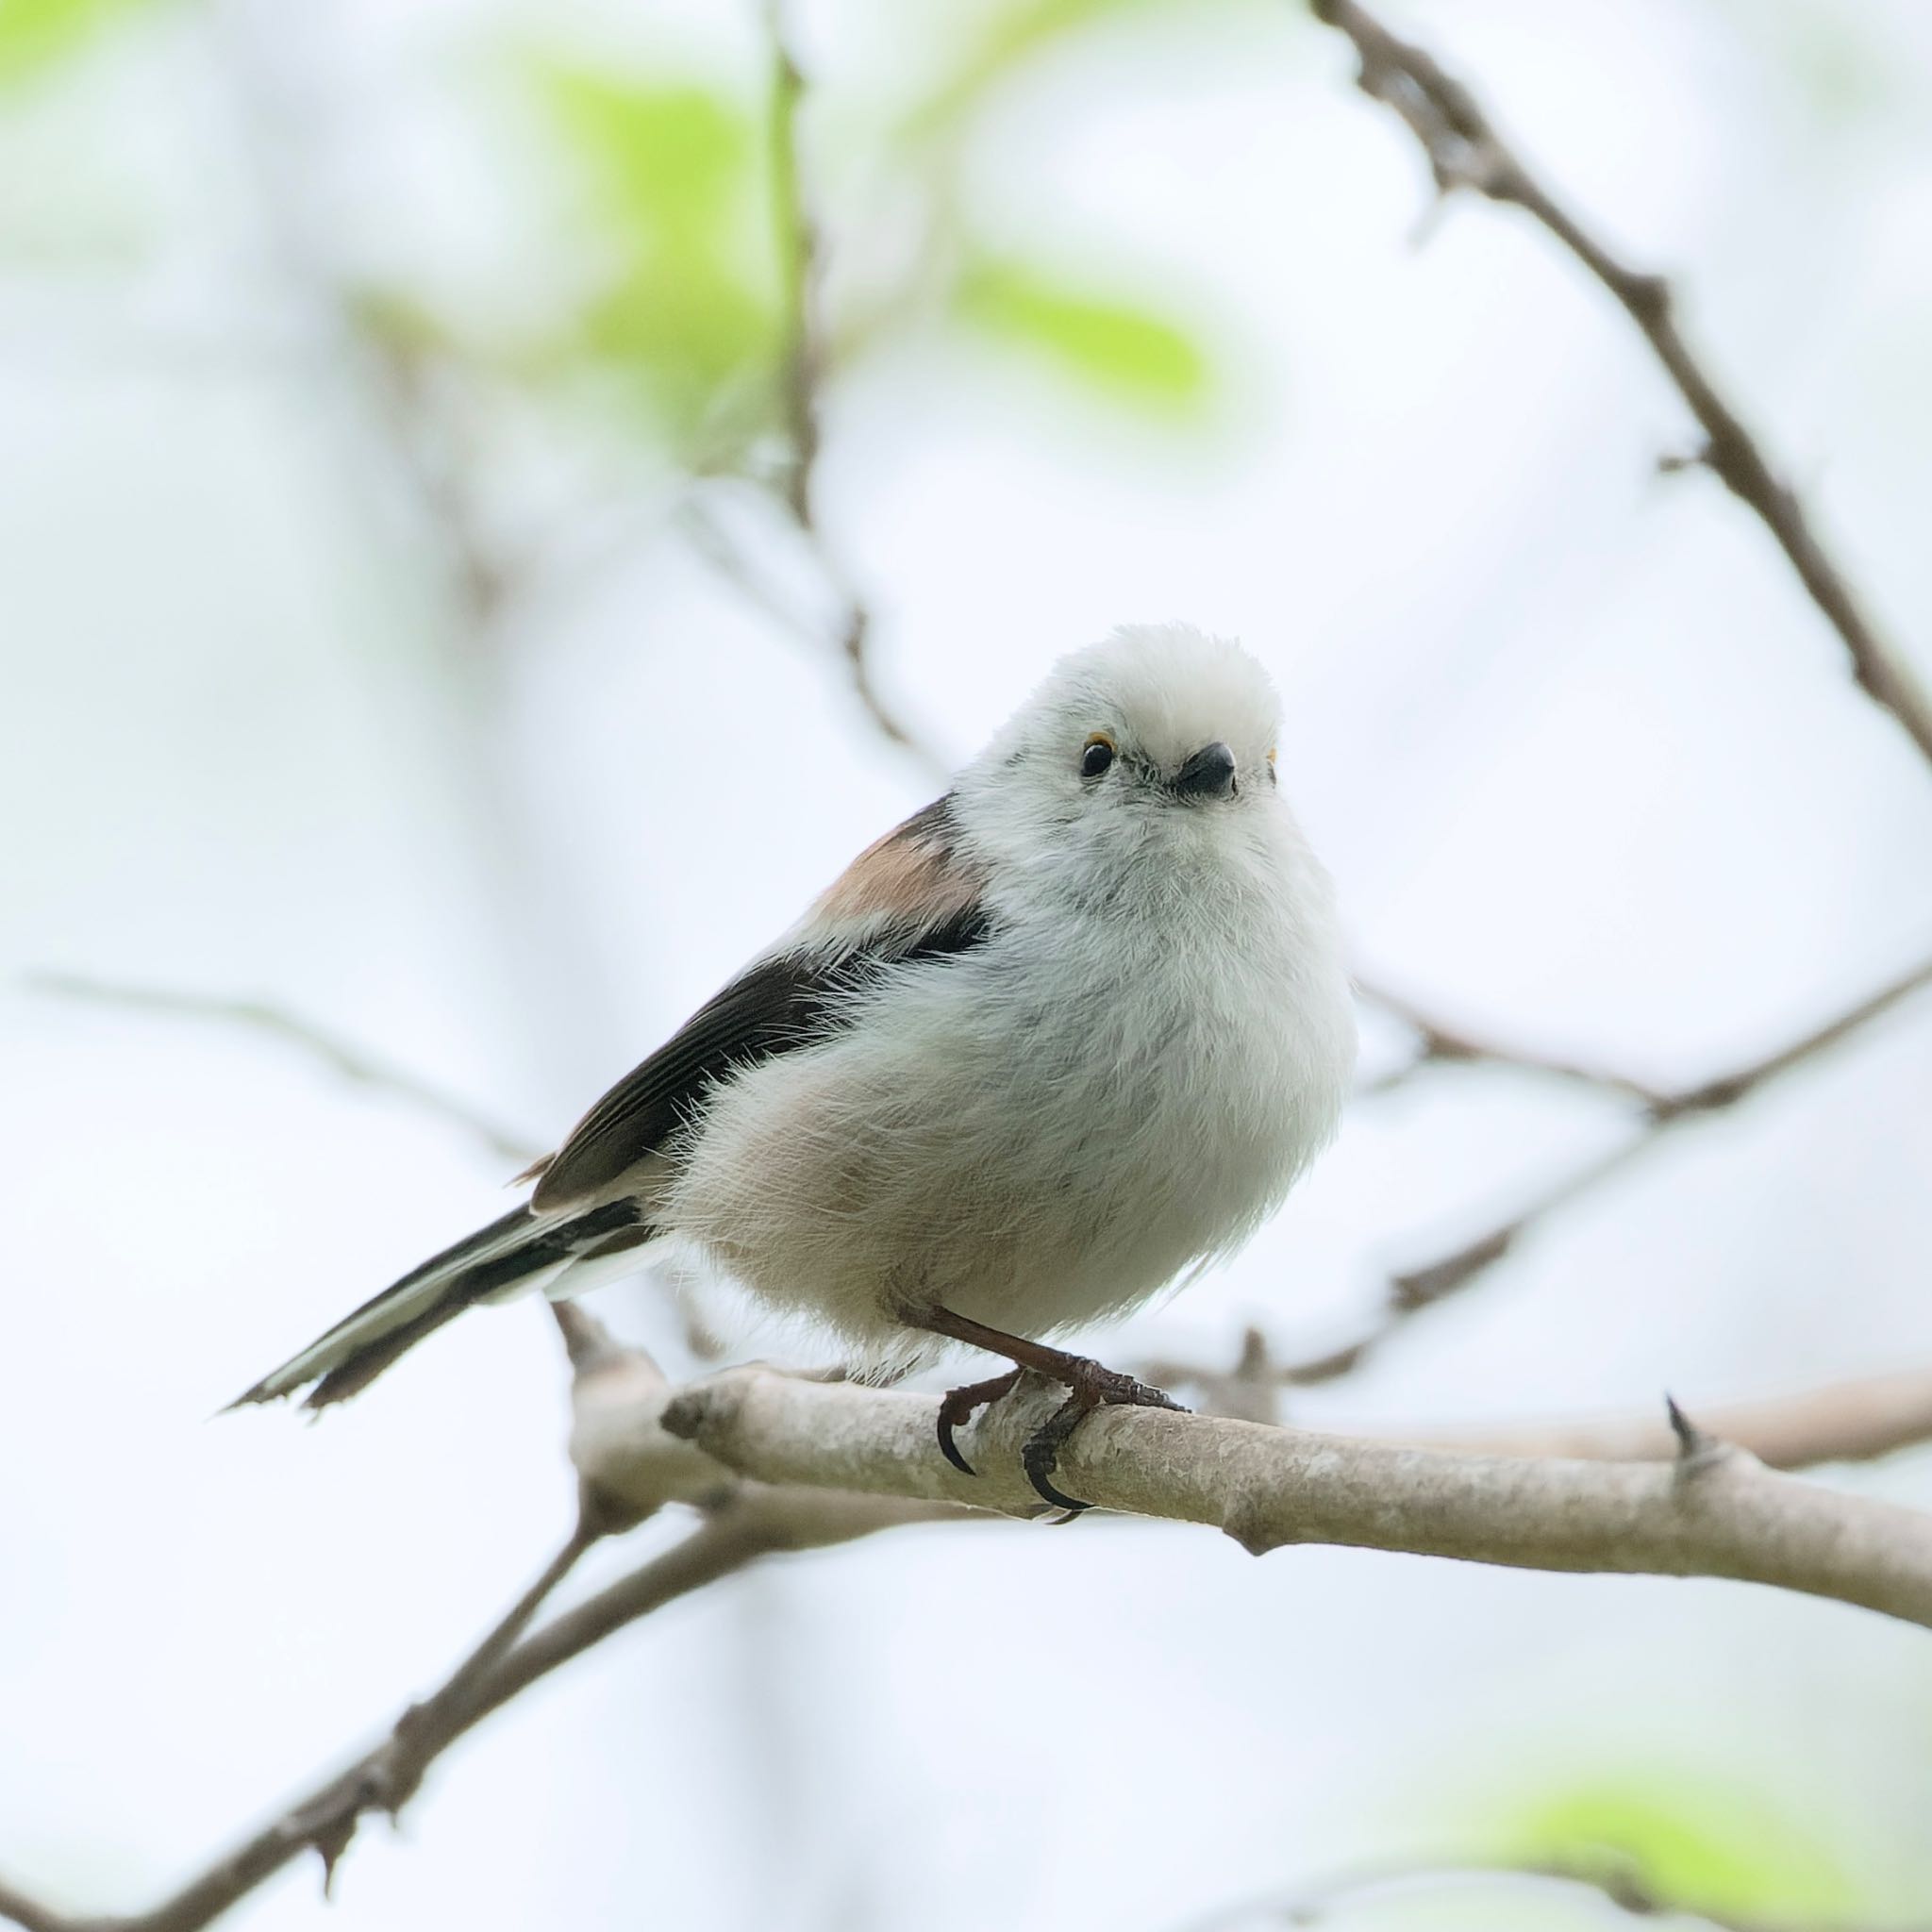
(905, 898)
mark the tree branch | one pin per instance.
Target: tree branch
(1464, 150)
(1855, 1420)
(1424, 1286)
(805, 360)
(1440, 1044)
(30, 1913)
(1714, 1512)
(351, 1062)
(1860, 1419)
(623, 1479)
(325, 1820)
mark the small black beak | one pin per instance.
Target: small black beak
(1210, 773)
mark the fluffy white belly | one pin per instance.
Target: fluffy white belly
(1019, 1138)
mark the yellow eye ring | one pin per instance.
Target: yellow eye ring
(1097, 753)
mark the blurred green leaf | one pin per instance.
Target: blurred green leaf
(36, 34)
(678, 193)
(1014, 37)
(1123, 351)
(666, 158)
(1698, 1845)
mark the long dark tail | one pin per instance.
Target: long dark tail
(518, 1252)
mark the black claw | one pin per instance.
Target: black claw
(950, 1449)
(1042, 1454)
(1089, 1387)
(958, 1406)
(1038, 1460)
(1097, 1388)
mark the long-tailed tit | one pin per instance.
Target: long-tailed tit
(1064, 1035)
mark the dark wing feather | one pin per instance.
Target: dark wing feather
(782, 1003)
(761, 1012)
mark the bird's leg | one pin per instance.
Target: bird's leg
(1089, 1387)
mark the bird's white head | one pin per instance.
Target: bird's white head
(1160, 732)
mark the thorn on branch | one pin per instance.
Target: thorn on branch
(330, 1843)
(328, 1826)
(1675, 462)
(1697, 1453)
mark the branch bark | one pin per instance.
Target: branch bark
(1714, 1511)
(1856, 1421)
(1465, 150)
(1860, 1419)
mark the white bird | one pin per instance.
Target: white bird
(1054, 1042)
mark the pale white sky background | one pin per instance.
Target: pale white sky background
(1587, 766)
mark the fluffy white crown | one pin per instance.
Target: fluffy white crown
(1168, 689)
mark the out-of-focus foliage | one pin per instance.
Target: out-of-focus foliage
(1828, 55)
(1015, 38)
(1698, 1843)
(35, 34)
(674, 194)
(677, 181)
(1118, 348)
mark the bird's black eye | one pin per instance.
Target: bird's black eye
(1097, 755)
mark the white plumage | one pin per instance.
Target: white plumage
(1122, 1080)
(1059, 1038)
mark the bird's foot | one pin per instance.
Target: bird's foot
(958, 1406)
(1089, 1387)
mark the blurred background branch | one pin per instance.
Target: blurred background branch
(1464, 150)
(1424, 1286)
(351, 1063)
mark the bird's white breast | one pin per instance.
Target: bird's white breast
(1053, 1126)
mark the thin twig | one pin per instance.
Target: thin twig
(1440, 1043)
(805, 362)
(798, 241)
(325, 1821)
(1429, 1283)
(260, 1016)
(16, 1906)
(1465, 150)
(1858, 1420)
(626, 1473)
(387, 1776)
